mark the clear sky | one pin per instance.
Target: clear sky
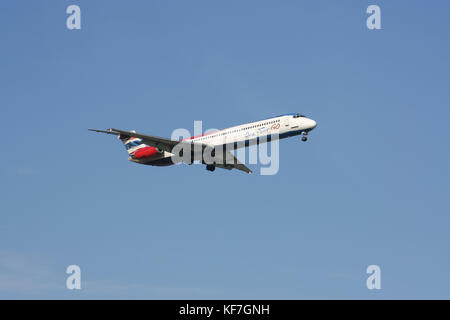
(371, 185)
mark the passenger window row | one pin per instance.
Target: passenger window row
(233, 131)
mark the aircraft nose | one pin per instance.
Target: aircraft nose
(312, 124)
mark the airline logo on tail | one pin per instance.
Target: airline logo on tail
(136, 149)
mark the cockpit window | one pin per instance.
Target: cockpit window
(298, 115)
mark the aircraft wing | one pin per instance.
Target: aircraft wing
(229, 161)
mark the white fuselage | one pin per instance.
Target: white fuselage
(284, 126)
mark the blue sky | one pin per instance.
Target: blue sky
(369, 187)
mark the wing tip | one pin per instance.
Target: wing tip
(108, 131)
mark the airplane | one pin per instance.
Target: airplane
(157, 151)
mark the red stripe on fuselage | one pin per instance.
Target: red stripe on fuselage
(202, 135)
